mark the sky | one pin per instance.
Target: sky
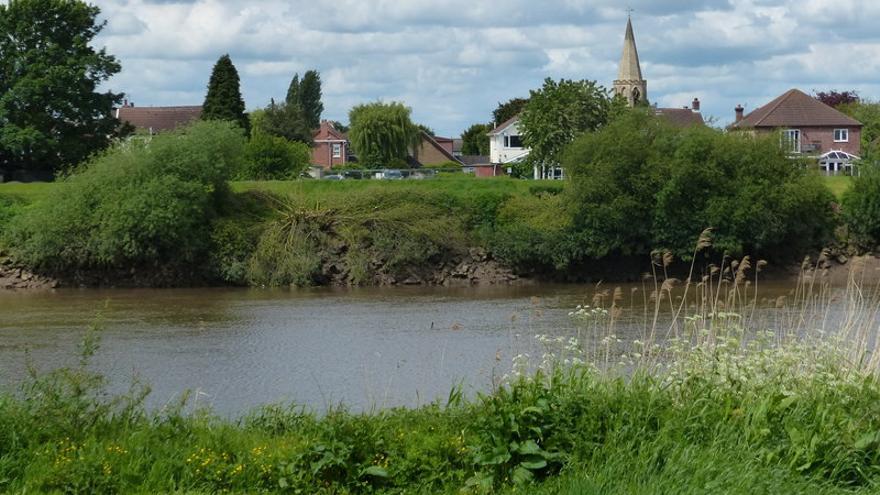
(453, 61)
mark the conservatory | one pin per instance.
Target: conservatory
(838, 163)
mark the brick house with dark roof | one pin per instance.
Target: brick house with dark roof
(330, 146)
(152, 120)
(809, 128)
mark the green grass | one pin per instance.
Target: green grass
(838, 184)
(461, 186)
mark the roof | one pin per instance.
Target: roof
(427, 140)
(457, 144)
(630, 69)
(328, 133)
(680, 117)
(158, 119)
(509, 122)
(795, 108)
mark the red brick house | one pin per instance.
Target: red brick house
(809, 128)
(433, 150)
(330, 148)
(152, 120)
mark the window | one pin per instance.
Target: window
(337, 150)
(841, 135)
(512, 142)
(791, 140)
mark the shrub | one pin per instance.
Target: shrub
(639, 184)
(861, 207)
(137, 204)
(268, 157)
(531, 233)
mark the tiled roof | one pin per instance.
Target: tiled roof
(680, 117)
(158, 119)
(474, 160)
(505, 125)
(795, 108)
(328, 133)
(426, 138)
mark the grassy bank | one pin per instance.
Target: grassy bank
(724, 405)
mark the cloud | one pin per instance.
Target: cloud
(453, 61)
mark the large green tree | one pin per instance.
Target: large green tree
(382, 133)
(306, 93)
(508, 110)
(51, 113)
(475, 140)
(284, 120)
(559, 112)
(224, 101)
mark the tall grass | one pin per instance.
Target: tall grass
(717, 395)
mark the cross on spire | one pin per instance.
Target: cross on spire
(629, 11)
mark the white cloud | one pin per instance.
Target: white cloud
(453, 61)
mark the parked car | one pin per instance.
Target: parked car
(334, 177)
(392, 175)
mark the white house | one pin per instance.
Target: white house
(506, 147)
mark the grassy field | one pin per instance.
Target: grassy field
(460, 186)
(838, 185)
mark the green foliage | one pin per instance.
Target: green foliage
(559, 112)
(268, 157)
(51, 112)
(382, 132)
(861, 208)
(508, 110)
(306, 94)
(532, 233)
(135, 205)
(223, 100)
(475, 140)
(284, 120)
(639, 184)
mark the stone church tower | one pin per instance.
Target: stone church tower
(630, 83)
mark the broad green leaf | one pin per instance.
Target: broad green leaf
(375, 471)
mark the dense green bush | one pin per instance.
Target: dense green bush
(861, 207)
(532, 233)
(268, 157)
(139, 204)
(639, 185)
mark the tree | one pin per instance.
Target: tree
(224, 101)
(835, 99)
(339, 126)
(868, 113)
(427, 130)
(475, 140)
(508, 110)
(382, 133)
(306, 93)
(51, 115)
(559, 112)
(284, 120)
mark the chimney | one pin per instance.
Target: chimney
(696, 104)
(125, 102)
(739, 112)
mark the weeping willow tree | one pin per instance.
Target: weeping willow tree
(382, 133)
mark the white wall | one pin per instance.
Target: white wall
(498, 153)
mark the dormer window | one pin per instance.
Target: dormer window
(841, 135)
(512, 142)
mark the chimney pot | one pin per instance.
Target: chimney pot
(696, 104)
(739, 112)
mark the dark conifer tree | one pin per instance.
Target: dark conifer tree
(224, 101)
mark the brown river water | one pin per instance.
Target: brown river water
(236, 349)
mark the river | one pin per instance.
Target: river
(236, 349)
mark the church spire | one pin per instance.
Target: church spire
(630, 83)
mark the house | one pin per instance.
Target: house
(809, 128)
(506, 145)
(330, 146)
(432, 151)
(152, 120)
(480, 166)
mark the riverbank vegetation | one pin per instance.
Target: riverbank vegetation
(166, 213)
(717, 401)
